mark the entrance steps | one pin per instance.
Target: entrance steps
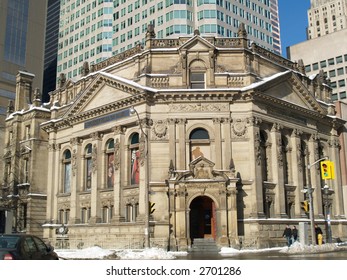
(202, 245)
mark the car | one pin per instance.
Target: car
(25, 247)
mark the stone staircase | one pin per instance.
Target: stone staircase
(204, 245)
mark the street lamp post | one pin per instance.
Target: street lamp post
(326, 193)
(310, 191)
(146, 218)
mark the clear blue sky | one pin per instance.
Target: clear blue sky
(293, 22)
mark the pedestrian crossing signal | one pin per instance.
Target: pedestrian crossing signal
(305, 206)
(327, 169)
(151, 207)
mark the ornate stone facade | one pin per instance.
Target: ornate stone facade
(217, 134)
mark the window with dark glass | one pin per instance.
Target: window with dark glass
(135, 159)
(197, 80)
(88, 167)
(67, 171)
(110, 163)
(199, 143)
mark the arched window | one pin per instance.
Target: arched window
(64, 215)
(110, 163)
(135, 159)
(199, 143)
(67, 171)
(106, 214)
(131, 212)
(85, 214)
(88, 167)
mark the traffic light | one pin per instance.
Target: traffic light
(151, 207)
(327, 169)
(305, 206)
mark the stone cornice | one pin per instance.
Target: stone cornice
(275, 101)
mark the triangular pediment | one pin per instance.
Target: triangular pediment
(197, 44)
(105, 89)
(290, 89)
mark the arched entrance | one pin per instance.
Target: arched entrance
(202, 218)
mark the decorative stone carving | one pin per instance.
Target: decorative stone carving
(198, 107)
(74, 162)
(239, 128)
(94, 158)
(160, 129)
(116, 161)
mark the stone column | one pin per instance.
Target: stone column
(96, 182)
(172, 141)
(227, 149)
(118, 164)
(232, 228)
(181, 218)
(144, 184)
(75, 179)
(218, 143)
(52, 190)
(57, 179)
(181, 155)
(172, 215)
(336, 184)
(255, 168)
(277, 171)
(315, 175)
(297, 171)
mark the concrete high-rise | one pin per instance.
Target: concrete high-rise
(275, 23)
(326, 48)
(326, 16)
(95, 30)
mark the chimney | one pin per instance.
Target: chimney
(24, 82)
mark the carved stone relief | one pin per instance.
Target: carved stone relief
(160, 130)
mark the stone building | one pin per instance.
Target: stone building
(194, 137)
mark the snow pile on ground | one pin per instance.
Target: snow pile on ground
(84, 254)
(149, 254)
(127, 254)
(232, 251)
(297, 248)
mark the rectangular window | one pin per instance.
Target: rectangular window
(315, 66)
(339, 59)
(331, 61)
(323, 64)
(308, 68)
(197, 80)
(67, 176)
(88, 173)
(340, 71)
(342, 83)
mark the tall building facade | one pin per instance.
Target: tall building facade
(51, 48)
(95, 30)
(22, 39)
(221, 138)
(325, 50)
(326, 16)
(276, 30)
